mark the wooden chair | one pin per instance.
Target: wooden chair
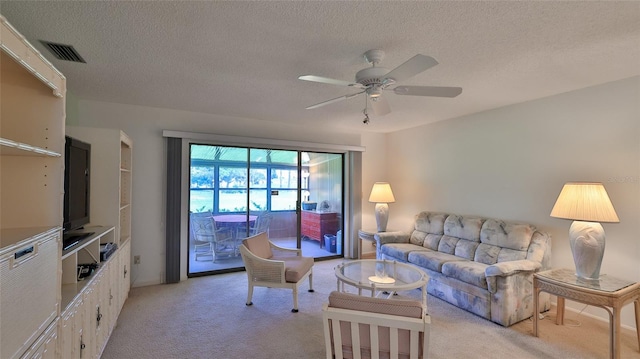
(358, 327)
(269, 265)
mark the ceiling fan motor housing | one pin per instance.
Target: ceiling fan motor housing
(372, 76)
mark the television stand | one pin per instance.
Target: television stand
(71, 239)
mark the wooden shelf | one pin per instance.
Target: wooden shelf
(13, 148)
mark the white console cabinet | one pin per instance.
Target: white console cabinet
(91, 305)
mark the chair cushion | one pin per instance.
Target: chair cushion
(259, 245)
(295, 267)
(403, 308)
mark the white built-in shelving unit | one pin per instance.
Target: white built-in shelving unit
(31, 180)
(46, 310)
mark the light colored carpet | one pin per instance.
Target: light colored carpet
(206, 317)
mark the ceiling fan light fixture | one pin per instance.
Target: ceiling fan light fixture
(374, 92)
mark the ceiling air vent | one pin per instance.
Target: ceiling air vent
(63, 52)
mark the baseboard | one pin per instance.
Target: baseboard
(589, 315)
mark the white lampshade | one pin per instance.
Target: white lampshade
(381, 193)
(584, 201)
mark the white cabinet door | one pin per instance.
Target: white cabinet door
(70, 330)
(125, 272)
(89, 313)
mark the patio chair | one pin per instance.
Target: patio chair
(261, 224)
(269, 265)
(201, 244)
(218, 242)
(363, 327)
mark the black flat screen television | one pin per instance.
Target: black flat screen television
(77, 171)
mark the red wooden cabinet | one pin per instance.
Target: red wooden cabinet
(316, 224)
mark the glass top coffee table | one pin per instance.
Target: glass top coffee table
(381, 277)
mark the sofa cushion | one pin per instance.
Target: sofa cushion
(429, 222)
(466, 249)
(432, 241)
(448, 244)
(467, 271)
(507, 254)
(487, 254)
(400, 250)
(463, 227)
(431, 259)
(507, 235)
(417, 237)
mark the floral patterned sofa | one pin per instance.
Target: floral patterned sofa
(484, 266)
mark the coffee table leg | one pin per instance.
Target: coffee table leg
(560, 311)
(424, 295)
(536, 310)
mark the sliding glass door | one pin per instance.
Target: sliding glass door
(296, 197)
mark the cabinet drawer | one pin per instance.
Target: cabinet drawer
(29, 278)
(45, 346)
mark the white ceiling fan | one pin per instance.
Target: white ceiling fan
(374, 80)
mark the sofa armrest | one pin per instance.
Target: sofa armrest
(391, 237)
(503, 269)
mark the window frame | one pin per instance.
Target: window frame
(217, 164)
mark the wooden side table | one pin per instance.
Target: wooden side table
(366, 235)
(608, 292)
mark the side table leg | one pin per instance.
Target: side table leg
(637, 305)
(615, 332)
(560, 311)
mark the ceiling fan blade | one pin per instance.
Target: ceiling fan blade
(326, 80)
(380, 106)
(337, 99)
(435, 91)
(411, 67)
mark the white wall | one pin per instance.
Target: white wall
(510, 163)
(144, 125)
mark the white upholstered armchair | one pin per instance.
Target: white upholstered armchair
(269, 265)
(358, 327)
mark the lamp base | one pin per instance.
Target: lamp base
(587, 242)
(382, 216)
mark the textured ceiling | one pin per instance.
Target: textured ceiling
(242, 59)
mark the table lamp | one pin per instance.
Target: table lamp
(587, 204)
(381, 194)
